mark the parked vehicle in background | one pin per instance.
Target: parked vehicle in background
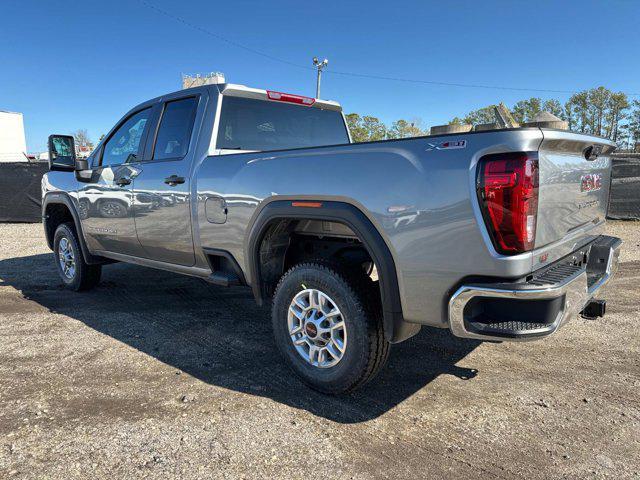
(495, 235)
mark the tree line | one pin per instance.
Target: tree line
(368, 128)
(598, 111)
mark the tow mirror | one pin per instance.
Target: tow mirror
(62, 153)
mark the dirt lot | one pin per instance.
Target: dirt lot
(156, 375)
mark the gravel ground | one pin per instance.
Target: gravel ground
(156, 375)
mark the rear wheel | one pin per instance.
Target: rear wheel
(327, 325)
(73, 270)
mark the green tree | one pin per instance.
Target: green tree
(376, 130)
(365, 129)
(526, 110)
(634, 126)
(356, 129)
(482, 115)
(598, 111)
(597, 100)
(617, 107)
(555, 107)
(404, 129)
(577, 112)
(522, 111)
(570, 115)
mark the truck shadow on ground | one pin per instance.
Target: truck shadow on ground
(220, 336)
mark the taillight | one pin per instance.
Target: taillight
(290, 98)
(508, 193)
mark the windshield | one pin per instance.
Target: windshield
(250, 124)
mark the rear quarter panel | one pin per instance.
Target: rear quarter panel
(421, 199)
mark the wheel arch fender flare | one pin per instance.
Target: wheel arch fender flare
(63, 198)
(395, 328)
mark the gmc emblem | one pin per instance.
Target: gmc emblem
(591, 182)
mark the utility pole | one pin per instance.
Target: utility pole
(319, 65)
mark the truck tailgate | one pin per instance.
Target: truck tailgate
(574, 189)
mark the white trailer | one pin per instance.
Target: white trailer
(13, 146)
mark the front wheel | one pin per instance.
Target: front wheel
(328, 327)
(73, 270)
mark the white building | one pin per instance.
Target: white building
(13, 146)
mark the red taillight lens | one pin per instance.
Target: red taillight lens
(508, 193)
(290, 98)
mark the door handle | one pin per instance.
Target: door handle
(174, 180)
(122, 181)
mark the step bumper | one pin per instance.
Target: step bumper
(536, 308)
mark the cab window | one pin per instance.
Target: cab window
(174, 133)
(124, 145)
(252, 124)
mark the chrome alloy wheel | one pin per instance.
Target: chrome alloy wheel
(317, 328)
(111, 209)
(67, 259)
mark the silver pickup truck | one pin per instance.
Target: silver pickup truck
(495, 235)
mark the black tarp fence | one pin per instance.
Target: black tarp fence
(624, 197)
(20, 191)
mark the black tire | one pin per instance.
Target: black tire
(354, 294)
(84, 276)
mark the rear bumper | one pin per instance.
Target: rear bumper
(535, 307)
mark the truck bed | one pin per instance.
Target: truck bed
(421, 193)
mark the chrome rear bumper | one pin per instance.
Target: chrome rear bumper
(566, 288)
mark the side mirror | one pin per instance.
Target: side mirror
(62, 153)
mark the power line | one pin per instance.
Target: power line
(353, 74)
(462, 85)
(220, 37)
(447, 84)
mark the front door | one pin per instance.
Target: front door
(106, 202)
(162, 187)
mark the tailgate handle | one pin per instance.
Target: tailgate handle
(592, 152)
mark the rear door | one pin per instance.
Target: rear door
(162, 199)
(575, 175)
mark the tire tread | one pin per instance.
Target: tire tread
(367, 302)
(89, 275)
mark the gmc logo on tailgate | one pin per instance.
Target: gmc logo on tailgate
(590, 182)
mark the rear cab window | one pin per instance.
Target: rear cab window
(262, 125)
(174, 132)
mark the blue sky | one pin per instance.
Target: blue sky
(82, 64)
